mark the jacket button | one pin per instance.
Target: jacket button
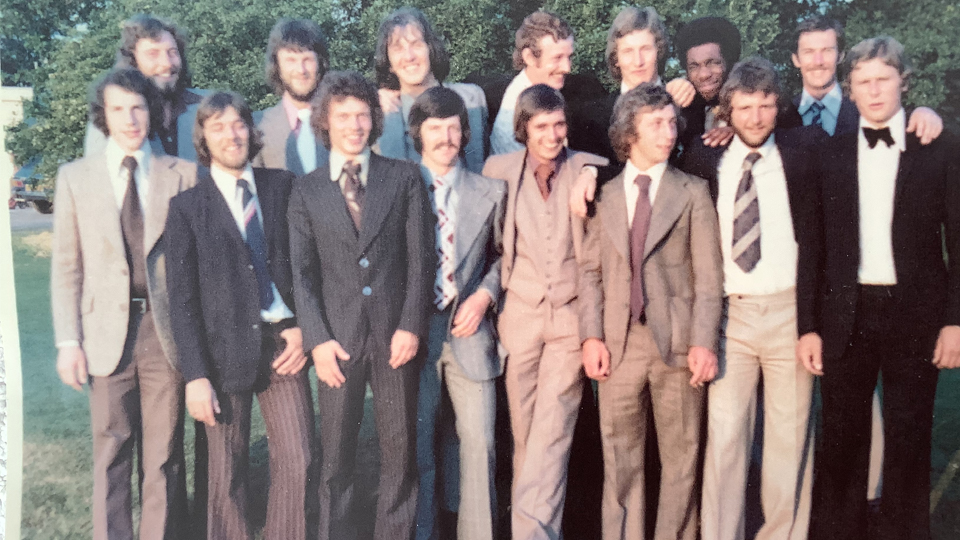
(249, 267)
(366, 291)
(256, 326)
(364, 263)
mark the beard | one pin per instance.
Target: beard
(301, 96)
(750, 141)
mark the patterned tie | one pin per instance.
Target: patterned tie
(306, 142)
(131, 224)
(638, 240)
(544, 176)
(817, 108)
(444, 287)
(257, 242)
(746, 220)
(353, 191)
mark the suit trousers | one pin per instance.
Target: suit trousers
(544, 382)
(141, 400)
(474, 409)
(758, 339)
(883, 343)
(395, 412)
(639, 383)
(287, 410)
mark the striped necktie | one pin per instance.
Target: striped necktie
(445, 287)
(257, 242)
(817, 109)
(746, 218)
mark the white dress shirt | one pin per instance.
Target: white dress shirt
(227, 184)
(776, 271)
(632, 190)
(877, 176)
(118, 173)
(624, 88)
(337, 161)
(502, 138)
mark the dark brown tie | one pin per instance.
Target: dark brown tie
(353, 191)
(131, 224)
(638, 240)
(544, 176)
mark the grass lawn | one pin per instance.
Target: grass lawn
(57, 441)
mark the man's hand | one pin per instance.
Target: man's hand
(202, 401)
(470, 313)
(72, 366)
(325, 358)
(926, 124)
(946, 355)
(389, 100)
(292, 359)
(596, 359)
(403, 347)
(583, 191)
(810, 352)
(682, 91)
(718, 136)
(703, 364)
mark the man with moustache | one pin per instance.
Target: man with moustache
(296, 62)
(462, 360)
(411, 58)
(649, 301)
(158, 49)
(111, 313)
(884, 301)
(762, 186)
(364, 264)
(231, 302)
(538, 324)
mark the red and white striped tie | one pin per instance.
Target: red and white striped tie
(445, 288)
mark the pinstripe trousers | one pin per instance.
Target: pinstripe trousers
(287, 409)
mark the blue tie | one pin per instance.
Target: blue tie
(817, 109)
(257, 242)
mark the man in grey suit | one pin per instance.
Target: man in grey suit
(650, 291)
(111, 313)
(158, 49)
(296, 62)
(462, 358)
(538, 324)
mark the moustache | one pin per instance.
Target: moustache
(441, 146)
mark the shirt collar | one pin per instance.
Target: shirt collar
(624, 89)
(449, 179)
(831, 101)
(115, 156)
(227, 182)
(630, 172)
(898, 130)
(533, 163)
(739, 150)
(337, 160)
(291, 109)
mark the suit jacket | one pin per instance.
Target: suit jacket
(280, 145)
(478, 247)
(800, 171)
(848, 117)
(509, 167)
(89, 271)
(392, 258)
(396, 142)
(682, 270)
(926, 205)
(95, 141)
(214, 295)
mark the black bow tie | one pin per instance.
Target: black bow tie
(874, 135)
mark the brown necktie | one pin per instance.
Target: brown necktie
(638, 240)
(353, 191)
(131, 224)
(746, 219)
(544, 176)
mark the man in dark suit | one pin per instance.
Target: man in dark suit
(761, 184)
(231, 295)
(364, 264)
(296, 62)
(462, 359)
(111, 313)
(883, 302)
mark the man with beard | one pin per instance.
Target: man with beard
(296, 62)
(158, 49)
(761, 184)
(231, 301)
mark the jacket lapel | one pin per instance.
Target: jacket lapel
(101, 198)
(164, 184)
(510, 220)
(218, 211)
(670, 201)
(908, 159)
(472, 211)
(613, 212)
(380, 194)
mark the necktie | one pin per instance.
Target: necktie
(131, 224)
(817, 109)
(257, 242)
(353, 191)
(874, 135)
(306, 142)
(444, 287)
(746, 219)
(544, 176)
(638, 240)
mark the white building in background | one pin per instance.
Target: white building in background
(11, 113)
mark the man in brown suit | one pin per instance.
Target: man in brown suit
(538, 325)
(650, 290)
(111, 312)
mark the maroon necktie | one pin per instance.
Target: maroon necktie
(544, 175)
(638, 240)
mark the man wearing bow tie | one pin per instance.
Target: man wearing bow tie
(884, 302)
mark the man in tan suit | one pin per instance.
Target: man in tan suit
(650, 289)
(538, 326)
(111, 311)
